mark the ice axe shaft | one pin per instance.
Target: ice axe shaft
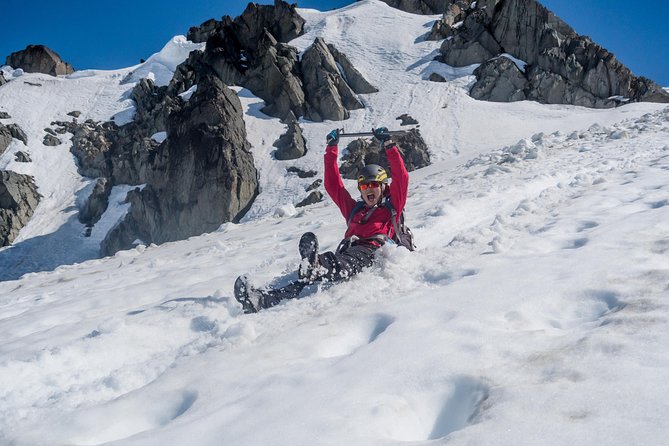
(356, 134)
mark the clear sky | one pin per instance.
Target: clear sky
(116, 34)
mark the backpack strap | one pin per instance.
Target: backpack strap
(393, 213)
(357, 208)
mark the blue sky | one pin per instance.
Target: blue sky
(106, 35)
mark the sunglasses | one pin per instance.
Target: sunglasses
(370, 185)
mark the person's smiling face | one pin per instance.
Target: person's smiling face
(371, 192)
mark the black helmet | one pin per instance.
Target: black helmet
(373, 172)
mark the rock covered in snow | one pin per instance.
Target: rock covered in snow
(18, 200)
(39, 59)
(499, 80)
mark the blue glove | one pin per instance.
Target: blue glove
(381, 134)
(333, 138)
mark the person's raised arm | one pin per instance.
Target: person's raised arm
(399, 189)
(334, 185)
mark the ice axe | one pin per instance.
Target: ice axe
(343, 133)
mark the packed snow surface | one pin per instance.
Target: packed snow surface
(533, 312)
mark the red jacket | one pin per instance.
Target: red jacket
(380, 220)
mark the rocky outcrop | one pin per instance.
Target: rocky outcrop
(50, 140)
(499, 80)
(280, 19)
(251, 51)
(453, 14)
(4, 115)
(291, 145)
(22, 157)
(3, 81)
(5, 138)
(18, 200)
(39, 59)
(562, 67)
(9, 132)
(428, 7)
(97, 202)
(361, 152)
(203, 175)
(18, 133)
(313, 198)
(328, 95)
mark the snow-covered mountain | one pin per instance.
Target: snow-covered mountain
(533, 312)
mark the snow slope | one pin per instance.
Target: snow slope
(534, 311)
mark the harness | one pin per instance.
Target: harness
(403, 235)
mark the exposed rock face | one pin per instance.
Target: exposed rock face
(327, 93)
(361, 152)
(562, 67)
(18, 133)
(39, 59)
(18, 200)
(4, 115)
(97, 202)
(428, 7)
(313, 198)
(202, 176)
(251, 51)
(50, 140)
(499, 80)
(453, 14)
(22, 157)
(3, 81)
(5, 138)
(290, 145)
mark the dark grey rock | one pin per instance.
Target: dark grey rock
(51, 131)
(302, 173)
(39, 59)
(406, 120)
(313, 198)
(18, 133)
(328, 95)
(291, 145)
(315, 185)
(3, 81)
(453, 14)
(361, 152)
(5, 138)
(18, 200)
(201, 177)
(499, 80)
(74, 113)
(97, 202)
(50, 140)
(562, 67)
(435, 77)
(22, 157)
(426, 7)
(4, 115)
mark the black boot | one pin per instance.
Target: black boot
(309, 254)
(250, 298)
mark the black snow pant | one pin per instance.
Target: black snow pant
(333, 267)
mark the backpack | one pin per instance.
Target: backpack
(403, 235)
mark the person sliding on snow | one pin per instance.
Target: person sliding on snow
(372, 222)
